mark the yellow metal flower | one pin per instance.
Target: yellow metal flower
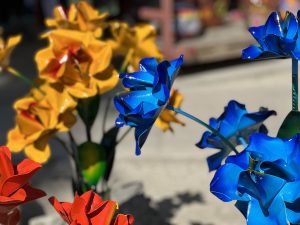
(81, 16)
(78, 61)
(6, 50)
(38, 118)
(134, 43)
(167, 116)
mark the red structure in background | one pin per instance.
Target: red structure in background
(165, 16)
(232, 23)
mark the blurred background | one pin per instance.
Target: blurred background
(169, 183)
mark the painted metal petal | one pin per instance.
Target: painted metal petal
(277, 213)
(273, 25)
(137, 80)
(148, 65)
(224, 184)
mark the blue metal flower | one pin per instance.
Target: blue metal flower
(277, 38)
(149, 92)
(235, 124)
(265, 179)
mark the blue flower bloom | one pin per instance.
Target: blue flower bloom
(277, 38)
(149, 92)
(265, 179)
(235, 124)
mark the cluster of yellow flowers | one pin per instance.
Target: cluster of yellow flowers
(78, 63)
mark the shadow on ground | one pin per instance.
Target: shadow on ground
(148, 212)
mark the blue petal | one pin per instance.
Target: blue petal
(231, 117)
(290, 25)
(148, 65)
(214, 161)
(250, 119)
(174, 68)
(293, 211)
(252, 52)
(242, 160)
(291, 191)
(120, 122)
(273, 44)
(141, 134)
(266, 148)
(273, 25)
(225, 183)
(127, 101)
(203, 143)
(137, 80)
(258, 34)
(276, 216)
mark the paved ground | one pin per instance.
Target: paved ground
(170, 177)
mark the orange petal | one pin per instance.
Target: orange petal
(60, 209)
(26, 169)
(124, 219)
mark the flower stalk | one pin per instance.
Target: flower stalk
(214, 131)
(17, 74)
(294, 84)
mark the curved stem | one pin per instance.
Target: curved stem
(295, 84)
(23, 78)
(63, 144)
(106, 113)
(80, 183)
(214, 131)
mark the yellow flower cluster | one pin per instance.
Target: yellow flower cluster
(38, 118)
(79, 62)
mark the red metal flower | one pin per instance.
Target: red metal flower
(90, 209)
(14, 187)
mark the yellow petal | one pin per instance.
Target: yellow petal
(168, 116)
(15, 140)
(67, 120)
(5, 51)
(39, 151)
(80, 90)
(106, 80)
(101, 54)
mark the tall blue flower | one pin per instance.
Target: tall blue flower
(235, 124)
(149, 92)
(277, 38)
(265, 179)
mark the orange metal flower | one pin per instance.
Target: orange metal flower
(14, 187)
(90, 209)
(6, 50)
(81, 16)
(78, 61)
(134, 43)
(38, 118)
(167, 116)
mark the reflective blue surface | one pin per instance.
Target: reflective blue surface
(235, 124)
(266, 177)
(277, 38)
(148, 95)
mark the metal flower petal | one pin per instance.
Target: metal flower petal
(148, 95)
(278, 38)
(235, 124)
(270, 180)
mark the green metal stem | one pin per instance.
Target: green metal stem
(214, 131)
(295, 84)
